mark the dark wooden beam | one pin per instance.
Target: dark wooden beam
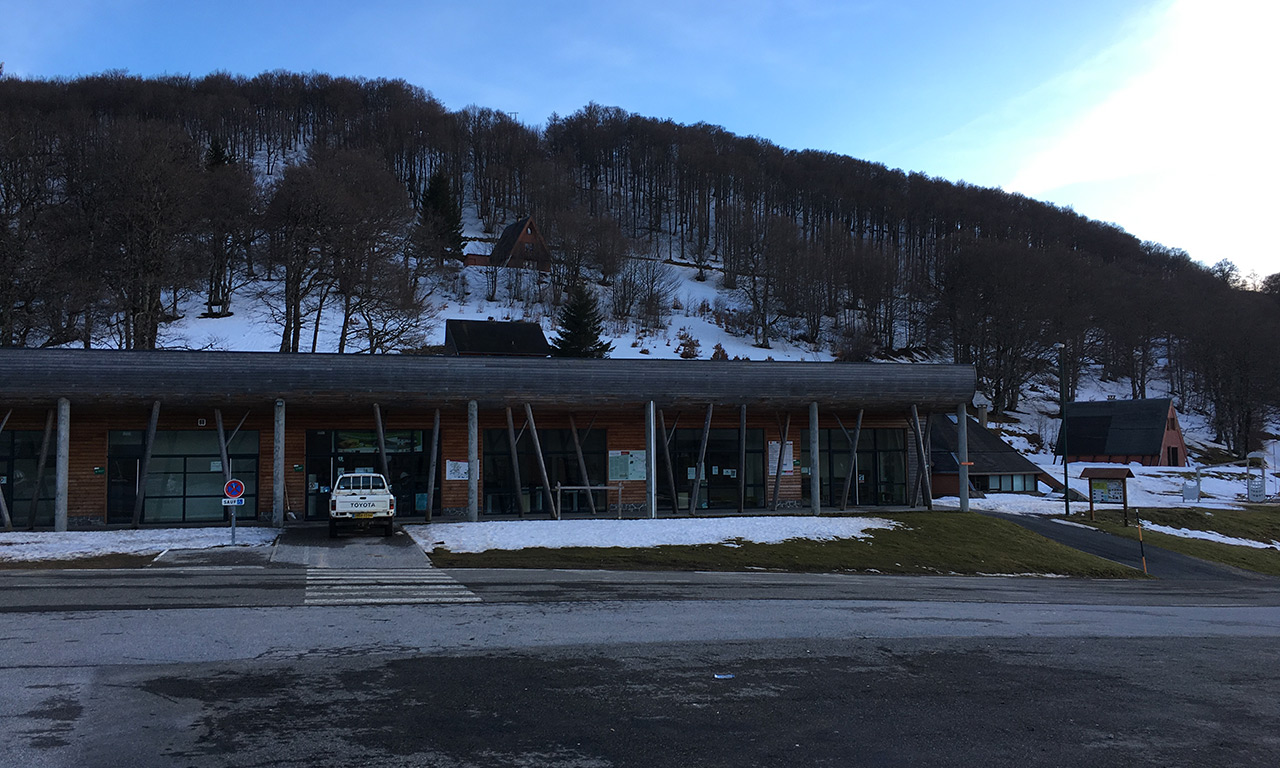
(698, 468)
(521, 502)
(666, 452)
(145, 468)
(582, 463)
(5, 519)
(431, 470)
(41, 463)
(782, 451)
(382, 443)
(742, 458)
(542, 463)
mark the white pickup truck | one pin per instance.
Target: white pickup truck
(362, 499)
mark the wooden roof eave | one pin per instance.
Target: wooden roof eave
(246, 378)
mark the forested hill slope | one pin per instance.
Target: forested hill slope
(118, 195)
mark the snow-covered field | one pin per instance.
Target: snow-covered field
(479, 537)
(26, 546)
(1220, 488)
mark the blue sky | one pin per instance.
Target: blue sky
(1153, 114)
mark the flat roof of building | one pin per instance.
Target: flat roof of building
(40, 376)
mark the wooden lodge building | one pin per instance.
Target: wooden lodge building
(96, 437)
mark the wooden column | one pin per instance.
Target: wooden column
(145, 468)
(851, 475)
(782, 452)
(473, 461)
(521, 501)
(923, 481)
(742, 458)
(815, 462)
(277, 467)
(62, 465)
(666, 451)
(222, 446)
(382, 443)
(431, 471)
(698, 469)
(582, 465)
(5, 519)
(41, 463)
(650, 461)
(962, 447)
(542, 464)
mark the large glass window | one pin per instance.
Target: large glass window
(721, 472)
(882, 466)
(19, 459)
(502, 497)
(334, 452)
(185, 478)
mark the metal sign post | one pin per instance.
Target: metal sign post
(234, 489)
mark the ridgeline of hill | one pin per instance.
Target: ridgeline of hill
(119, 195)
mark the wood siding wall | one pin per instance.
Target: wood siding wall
(625, 428)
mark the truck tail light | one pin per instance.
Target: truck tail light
(333, 505)
(393, 505)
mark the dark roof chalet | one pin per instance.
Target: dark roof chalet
(989, 453)
(212, 379)
(490, 337)
(505, 249)
(1116, 427)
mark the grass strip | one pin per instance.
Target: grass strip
(1265, 561)
(923, 543)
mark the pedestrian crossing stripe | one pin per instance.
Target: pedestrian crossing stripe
(384, 586)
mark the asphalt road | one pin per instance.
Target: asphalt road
(263, 663)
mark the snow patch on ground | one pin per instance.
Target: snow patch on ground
(1187, 533)
(554, 534)
(25, 546)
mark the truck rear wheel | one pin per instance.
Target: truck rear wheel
(390, 529)
(333, 528)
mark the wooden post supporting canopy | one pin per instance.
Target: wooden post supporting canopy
(698, 468)
(962, 449)
(431, 470)
(742, 458)
(666, 452)
(40, 467)
(5, 519)
(62, 465)
(777, 474)
(650, 461)
(815, 462)
(277, 467)
(582, 466)
(222, 445)
(382, 443)
(542, 464)
(512, 440)
(852, 472)
(145, 468)
(923, 480)
(473, 461)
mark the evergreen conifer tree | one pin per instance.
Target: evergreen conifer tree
(437, 235)
(580, 325)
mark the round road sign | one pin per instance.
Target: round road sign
(234, 489)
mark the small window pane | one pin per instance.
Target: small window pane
(206, 484)
(163, 510)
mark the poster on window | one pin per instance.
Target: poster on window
(788, 458)
(627, 465)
